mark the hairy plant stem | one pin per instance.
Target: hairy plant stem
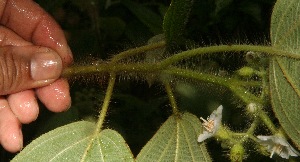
(106, 101)
(102, 114)
(113, 67)
(267, 121)
(172, 99)
(268, 50)
(135, 51)
(236, 86)
(253, 126)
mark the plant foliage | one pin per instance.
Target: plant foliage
(181, 68)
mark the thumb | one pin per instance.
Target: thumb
(27, 67)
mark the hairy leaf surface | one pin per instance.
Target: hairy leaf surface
(176, 141)
(175, 20)
(77, 142)
(284, 72)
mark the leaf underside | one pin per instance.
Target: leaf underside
(71, 142)
(176, 141)
(284, 72)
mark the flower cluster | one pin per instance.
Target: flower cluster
(275, 144)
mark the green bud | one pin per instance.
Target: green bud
(252, 108)
(246, 71)
(223, 133)
(237, 153)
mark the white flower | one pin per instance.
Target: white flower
(278, 145)
(211, 125)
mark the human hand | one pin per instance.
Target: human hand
(33, 52)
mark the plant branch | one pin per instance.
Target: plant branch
(267, 121)
(171, 99)
(134, 51)
(102, 115)
(236, 86)
(268, 50)
(106, 101)
(113, 67)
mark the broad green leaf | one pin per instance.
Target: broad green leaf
(175, 20)
(284, 72)
(74, 141)
(176, 140)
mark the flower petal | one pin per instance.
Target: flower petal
(205, 135)
(271, 142)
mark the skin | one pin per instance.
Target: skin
(26, 31)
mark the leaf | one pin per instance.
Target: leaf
(145, 15)
(175, 20)
(70, 142)
(176, 140)
(284, 72)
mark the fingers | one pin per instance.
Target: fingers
(33, 24)
(55, 97)
(9, 38)
(24, 106)
(27, 67)
(11, 137)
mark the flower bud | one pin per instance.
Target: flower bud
(252, 108)
(237, 153)
(246, 71)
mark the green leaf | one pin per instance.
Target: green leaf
(175, 20)
(176, 140)
(149, 18)
(74, 141)
(284, 72)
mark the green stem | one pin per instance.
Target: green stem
(245, 135)
(246, 96)
(102, 115)
(236, 86)
(134, 51)
(227, 48)
(223, 81)
(113, 67)
(108, 68)
(251, 129)
(106, 101)
(171, 99)
(267, 121)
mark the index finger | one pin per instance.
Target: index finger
(32, 23)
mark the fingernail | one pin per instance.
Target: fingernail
(45, 66)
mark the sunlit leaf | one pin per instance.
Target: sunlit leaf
(284, 72)
(75, 141)
(176, 140)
